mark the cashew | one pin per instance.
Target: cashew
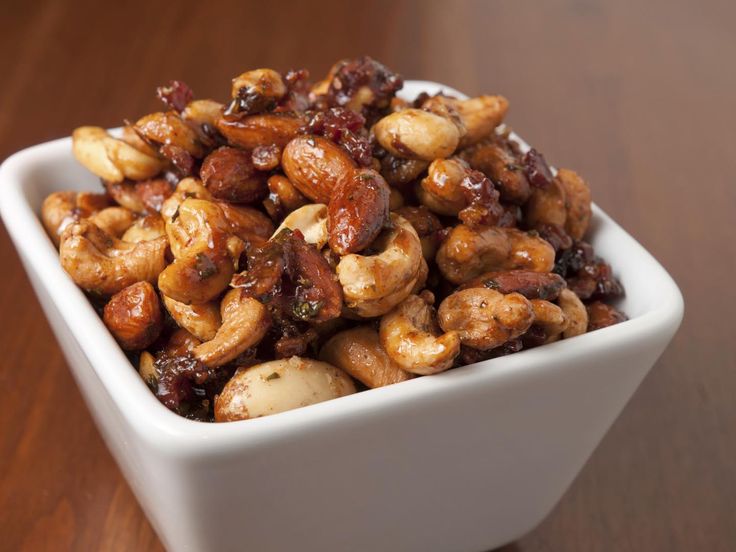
(60, 209)
(427, 226)
(546, 206)
(280, 385)
(550, 318)
(371, 308)
(283, 197)
(112, 159)
(101, 264)
(398, 171)
(484, 318)
(311, 221)
(132, 138)
(266, 83)
(202, 320)
(577, 315)
(577, 203)
(186, 188)
(244, 323)
(202, 112)
(411, 337)
(481, 116)
(416, 134)
(358, 352)
(144, 229)
(528, 252)
(206, 253)
(168, 128)
(391, 271)
(113, 220)
(440, 190)
(260, 130)
(467, 252)
(133, 316)
(180, 343)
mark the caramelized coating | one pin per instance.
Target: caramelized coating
(485, 318)
(358, 352)
(103, 265)
(316, 166)
(229, 175)
(133, 316)
(532, 285)
(601, 315)
(413, 339)
(298, 220)
(266, 129)
(358, 210)
(60, 209)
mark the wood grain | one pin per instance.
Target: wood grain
(638, 97)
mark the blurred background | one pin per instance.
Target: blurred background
(638, 97)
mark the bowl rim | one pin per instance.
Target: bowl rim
(170, 432)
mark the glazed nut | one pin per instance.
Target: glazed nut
(101, 264)
(180, 343)
(133, 316)
(266, 158)
(265, 83)
(532, 285)
(145, 229)
(481, 116)
(411, 337)
(484, 318)
(205, 250)
(111, 159)
(495, 160)
(60, 209)
(280, 385)
(550, 318)
(427, 226)
(202, 112)
(260, 130)
(547, 205)
(187, 188)
(399, 171)
(169, 129)
(358, 210)
(528, 252)
(311, 221)
(316, 166)
(578, 203)
(248, 223)
(575, 312)
(417, 134)
(358, 352)
(467, 252)
(142, 197)
(388, 273)
(440, 191)
(283, 194)
(113, 220)
(244, 323)
(601, 315)
(229, 175)
(201, 320)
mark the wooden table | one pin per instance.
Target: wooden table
(638, 98)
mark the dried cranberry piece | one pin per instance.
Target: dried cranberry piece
(175, 95)
(346, 128)
(537, 171)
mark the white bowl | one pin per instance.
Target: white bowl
(466, 460)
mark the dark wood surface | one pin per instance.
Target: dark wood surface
(637, 96)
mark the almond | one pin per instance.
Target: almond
(260, 130)
(316, 166)
(357, 211)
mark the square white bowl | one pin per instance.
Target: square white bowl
(466, 460)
